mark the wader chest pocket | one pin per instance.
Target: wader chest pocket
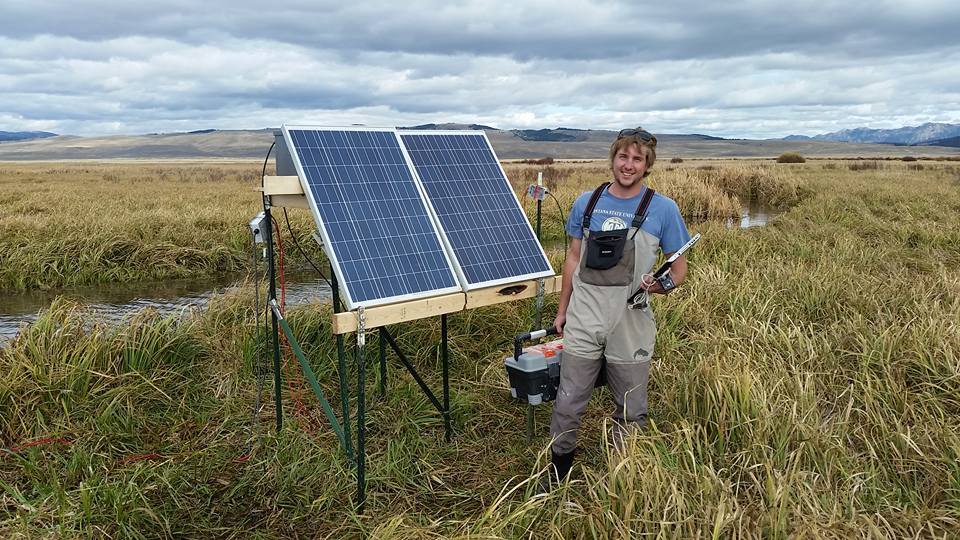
(607, 258)
(615, 267)
(604, 250)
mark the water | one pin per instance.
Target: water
(114, 303)
(753, 215)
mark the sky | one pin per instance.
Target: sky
(752, 69)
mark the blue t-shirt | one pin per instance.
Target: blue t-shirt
(611, 213)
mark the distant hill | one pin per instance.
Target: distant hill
(923, 134)
(556, 135)
(6, 136)
(953, 142)
(560, 143)
(202, 144)
(448, 127)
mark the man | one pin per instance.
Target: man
(610, 257)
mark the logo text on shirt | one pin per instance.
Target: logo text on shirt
(613, 224)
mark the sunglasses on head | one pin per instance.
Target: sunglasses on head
(643, 134)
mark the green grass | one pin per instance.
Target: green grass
(806, 383)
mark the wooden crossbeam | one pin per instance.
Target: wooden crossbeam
(282, 185)
(449, 303)
(285, 191)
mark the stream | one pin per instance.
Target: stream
(116, 302)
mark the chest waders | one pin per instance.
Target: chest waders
(600, 328)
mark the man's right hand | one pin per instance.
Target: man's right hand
(559, 322)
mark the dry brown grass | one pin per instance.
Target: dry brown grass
(79, 223)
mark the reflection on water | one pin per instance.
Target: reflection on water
(753, 215)
(114, 303)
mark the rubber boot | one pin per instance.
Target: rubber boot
(562, 464)
(558, 471)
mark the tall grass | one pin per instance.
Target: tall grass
(81, 224)
(85, 223)
(701, 192)
(805, 384)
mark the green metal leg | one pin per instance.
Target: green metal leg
(344, 397)
(277, 395)
(383, 364)
(308, 371)
(361, 434)
(342, 369)
(530, 415)
(446, 375)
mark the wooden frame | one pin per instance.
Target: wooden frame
(284, 191)
(282, 185)
(374, 317)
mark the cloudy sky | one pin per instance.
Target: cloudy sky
(751, 69)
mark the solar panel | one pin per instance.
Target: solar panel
(376, 227)
(479, 213)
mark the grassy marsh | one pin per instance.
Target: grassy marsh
(806, 384)
(83, 223)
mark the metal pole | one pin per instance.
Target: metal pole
(342, 368)
(311, 376)
(530, 412)
(278, 398)
(413, 372)
(538, 319)
(539, 201)
(446, 374)
(383, 364)
(361, 412)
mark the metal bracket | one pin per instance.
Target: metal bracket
(257, 225)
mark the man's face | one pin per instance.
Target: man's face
(629, 164)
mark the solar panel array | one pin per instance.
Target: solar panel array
(373, 218)
(385, 226)
(479, 214)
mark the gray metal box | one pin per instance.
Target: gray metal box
(285, 166)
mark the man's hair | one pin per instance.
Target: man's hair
(648, 147)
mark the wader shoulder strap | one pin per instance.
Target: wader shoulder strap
(638, 217)
(641, 213)
(588, 211)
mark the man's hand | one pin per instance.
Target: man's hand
(655, 288)
(566, 289)
(559, 322)
(678, 272)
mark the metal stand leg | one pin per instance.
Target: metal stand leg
(530, 414)
(342, 368)
(275, 325)
(537, 320)
(446, 375)
(344, 396)
(383, 364)
(361, 413)
(387, 339)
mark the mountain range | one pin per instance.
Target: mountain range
(6, 136)
(931, 133)
(561, 143)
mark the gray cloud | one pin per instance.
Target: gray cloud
(531, 29)
(749, 69)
